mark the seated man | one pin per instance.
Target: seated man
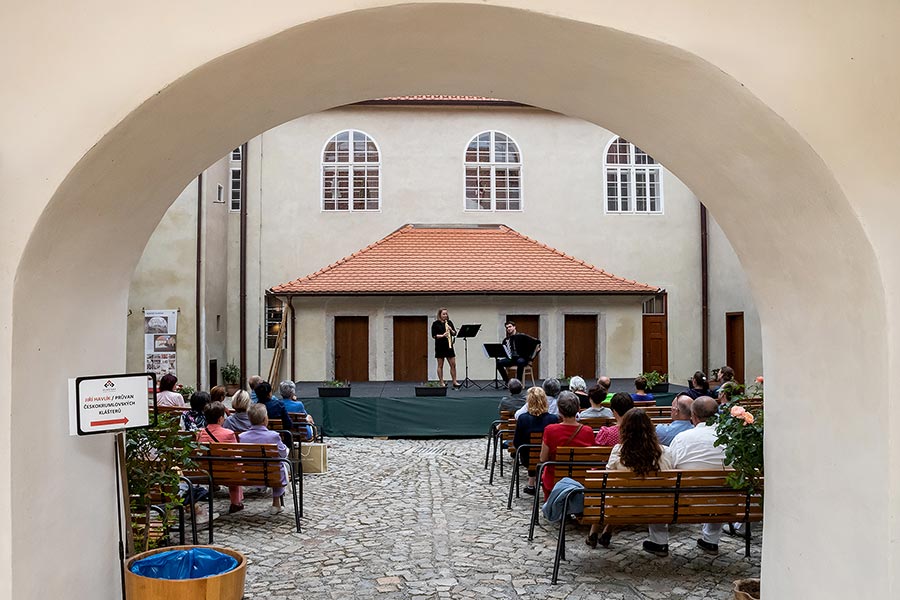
(515, 400)
(519, 349)
(274, 406)
(259, 433)
(681, 420)
(693, 449)
(289, 399)
(596, 395)
(640, 394)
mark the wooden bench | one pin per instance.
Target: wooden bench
(668, 497)
(505, 431)
(531, 449)
(575, 462)
(505, 416)
(251, 465)
(596, 423)
(298, 420)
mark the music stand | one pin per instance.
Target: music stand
(495, 351)
(465, 332)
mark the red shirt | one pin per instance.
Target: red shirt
(607, 436)
(561, 434)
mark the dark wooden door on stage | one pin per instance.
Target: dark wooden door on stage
(351, 348)
(411, 341)
(656, 344)
(581, 346)
(734, 344)
(530, 324)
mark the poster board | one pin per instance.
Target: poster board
(160, 341)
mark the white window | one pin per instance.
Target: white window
(236, 154)
(351, 173)
(633, 180)
(493, 173)
(220, 194)
(235, 190)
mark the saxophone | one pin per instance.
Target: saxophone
(449, 333)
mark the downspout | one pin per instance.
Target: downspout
(199, 312)
(293, 333)
(704, 284)
(242, 310)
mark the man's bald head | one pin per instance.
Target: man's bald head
(681, 408)
(703, 408)
(605, 381)
(254, 381)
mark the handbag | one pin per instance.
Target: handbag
(314, 458)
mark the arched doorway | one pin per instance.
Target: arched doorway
(755, 173)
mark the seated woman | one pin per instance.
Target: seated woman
(167, 396)
(568, 432)
(214, 412)
(259, 433)
(193, 419)
(239, 421)
(640, 391)
(534, 420)
(640, 452)
(578, 387)
(698, 385)
(288, 391)
(217, 394)
(596, 395)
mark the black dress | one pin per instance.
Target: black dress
(442, 347)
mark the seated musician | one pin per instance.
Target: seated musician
(519, 349)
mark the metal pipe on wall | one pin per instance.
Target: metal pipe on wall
(704, 285)
(242, 309)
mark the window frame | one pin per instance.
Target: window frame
(232, 189)
(237, 154)
(493, 165)
(350, 166)
(632, 168)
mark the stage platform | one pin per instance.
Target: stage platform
(391, 409)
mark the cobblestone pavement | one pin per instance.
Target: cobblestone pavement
(417, 519)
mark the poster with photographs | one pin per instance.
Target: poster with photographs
(160, 327)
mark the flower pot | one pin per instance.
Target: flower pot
(422, 390)
(334, 392)
(746, 589)
(225, 586)
(232, 388)
(660, 388)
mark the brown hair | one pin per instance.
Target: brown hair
(640, 447)
(440, 310)
(212, 412)
(217, 394)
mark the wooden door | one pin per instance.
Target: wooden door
(581, 346)
(530, 324)
(411, 342)
(351, 348)
(656, 344)
(734, 344)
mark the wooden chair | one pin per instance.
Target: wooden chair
(530, 451)
(504, 431)
(505, 416)
(298, 420)
(529, 369)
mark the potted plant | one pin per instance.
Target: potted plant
(154, 458)
(231, 375)
(334, 389)
(186, 391)
(431, 388)
(740, 431)
(746, 589)
(656, 383)
(563, 381)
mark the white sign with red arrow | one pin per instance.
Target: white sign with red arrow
(113, 402)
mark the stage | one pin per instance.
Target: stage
(391, 409)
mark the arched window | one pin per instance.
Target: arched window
(493, 173)
(633, 179)
(351, 172)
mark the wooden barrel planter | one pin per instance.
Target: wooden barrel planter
(225, 586)
(746, 589)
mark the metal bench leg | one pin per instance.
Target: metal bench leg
(513, 481)
(560, 549)
(493, 464)
(746, 539)
(487, 452)
(534, 514)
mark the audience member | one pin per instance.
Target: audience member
(621, 403)
(217, 394)
(252, 382)
(640, 452)
(239, 421)
(596, 395)
(535, 419)
(551, 389)
(515, 400)
(726, 377)
(259, 433)
(641, 394)
(578, 387)
(681, 420)
(167, 396)
(288, 390)
(214, 413)
(692, 450)
(193, 419)
(568, 432)
(698, 385)
(274, 406)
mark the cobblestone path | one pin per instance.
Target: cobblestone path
(417, 519)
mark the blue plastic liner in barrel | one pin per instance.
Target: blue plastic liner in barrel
(195, 563)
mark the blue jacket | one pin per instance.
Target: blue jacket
(276, 410)
(553, 507)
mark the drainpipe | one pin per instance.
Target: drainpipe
(242, 310)
(293, 332)
(704, 284)
(199, 309)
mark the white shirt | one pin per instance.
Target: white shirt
(615, 464)
(693, 449)
(551, 408)
(168, 398)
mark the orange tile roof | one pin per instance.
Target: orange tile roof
(464, 259)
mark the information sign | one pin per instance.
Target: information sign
(114, 402)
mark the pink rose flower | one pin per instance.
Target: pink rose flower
(759, 379)
(737, 411)
(748, 418)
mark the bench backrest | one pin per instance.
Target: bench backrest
(597, 422)
(621, 497)
(234, 472)
(275, 424)
(579, 458)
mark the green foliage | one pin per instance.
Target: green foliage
(154, 458)
(231, 374)
(433, 384)
(740, 431)
(654, 377)
(336, 384)
(186, 391)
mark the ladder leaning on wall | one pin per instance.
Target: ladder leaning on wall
(279, 349)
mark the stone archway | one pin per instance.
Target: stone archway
(755, 173)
